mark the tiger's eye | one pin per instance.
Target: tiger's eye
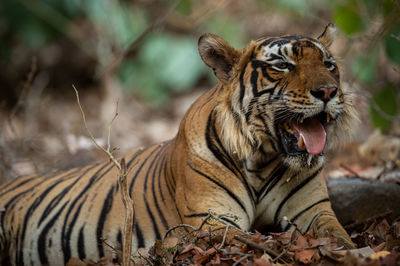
(329, 65)
(282, 65)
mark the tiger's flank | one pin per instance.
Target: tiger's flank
(253, 146)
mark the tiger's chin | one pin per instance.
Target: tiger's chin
(304, 161)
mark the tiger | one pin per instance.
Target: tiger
(252, 147)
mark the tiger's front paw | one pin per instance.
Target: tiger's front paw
(328, 225)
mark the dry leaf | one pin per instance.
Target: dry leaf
(300, 242)
(187, 248)
(305, 256)
(378, 255)
(379, 247)
(382, 229)
(256, 237)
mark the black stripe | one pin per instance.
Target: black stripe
(294, 219)
(81, 244)
(171, 172)
(153, 186)
(102, 220)
(204, 214)
(29, 213)
(223, 187)
(253, 81)
(161, 176)
(221, 154)
(146, 198)
(294, 191)
(16, 186)
(61, 195)
(168, 179)
(139, 236)
(119, 239)
(242, 87)
(134, 156)
(276, 174)
(267, 42)
(42, 239)
(67, 227)
(263, 66)
(317, 216)
(67, 238)
(230, 221)
(279, 42)
(197, 215)
(10, 205)
(133, 179)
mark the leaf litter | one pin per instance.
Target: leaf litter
(218, 243)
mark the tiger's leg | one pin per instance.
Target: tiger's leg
(326, 224)
(305, 202)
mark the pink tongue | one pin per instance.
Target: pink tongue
(313, 133)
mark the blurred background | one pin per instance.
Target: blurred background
(143, 54)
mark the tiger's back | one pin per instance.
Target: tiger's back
(50, 219)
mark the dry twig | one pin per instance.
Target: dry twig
(119, 253)
(122, 175)
(129, 214)
(106, 151)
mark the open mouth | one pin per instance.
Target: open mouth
(305, 136)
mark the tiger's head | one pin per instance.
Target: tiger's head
(280, 95)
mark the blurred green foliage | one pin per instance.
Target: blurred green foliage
(166, 60)
(166, 63)
(385, 99)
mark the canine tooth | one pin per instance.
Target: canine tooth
(287, 128)
(328, 118)
(300, 142)
(301, 120)
(309, 160)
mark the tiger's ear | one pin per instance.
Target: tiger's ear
(219, 55)
(326, 38)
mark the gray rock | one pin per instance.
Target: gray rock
(355, 200)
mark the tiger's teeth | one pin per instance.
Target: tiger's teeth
(301, 120)
(328, 118)
(287, 128)
(300, 142)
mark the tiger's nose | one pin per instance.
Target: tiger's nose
(324, 93)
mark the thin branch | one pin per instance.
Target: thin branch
(177, 226)
(113, 248)
(22, 96)
(122, 181)
(255, 245)
(112, 158)
(129, 215)
(225, 234)
(351, 171)
(109, 128)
